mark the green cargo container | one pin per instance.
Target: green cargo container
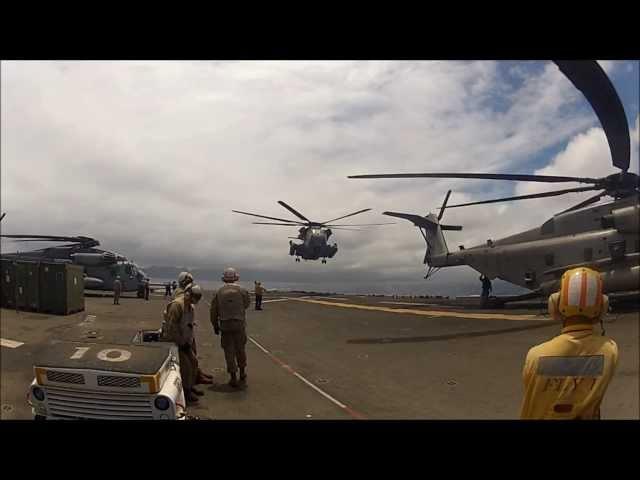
(61, 288)
(7, 284)
(20, 272)
(32, 283)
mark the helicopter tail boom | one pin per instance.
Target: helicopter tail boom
(437, 253)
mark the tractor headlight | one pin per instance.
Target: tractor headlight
(38, 393)
(162, 403)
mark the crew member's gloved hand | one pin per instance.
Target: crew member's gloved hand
(216, 330)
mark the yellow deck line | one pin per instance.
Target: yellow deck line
(428, 313)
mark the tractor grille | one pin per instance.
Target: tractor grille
(63, 377)
(122, 382)
(95, 405)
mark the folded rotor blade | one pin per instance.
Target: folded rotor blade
(525, 197)
(345, 216)
(294, 222)
(486, 176)
(588, 201)
(294, 211)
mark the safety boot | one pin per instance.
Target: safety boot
(191, 398)
(197, 392)
(243, 379)
(204, 379)
(233, 382)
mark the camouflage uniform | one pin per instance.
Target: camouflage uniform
(228, 317)
(178, 328)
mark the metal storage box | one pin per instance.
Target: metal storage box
(61, 288)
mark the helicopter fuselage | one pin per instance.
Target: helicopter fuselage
(100, 266)
(604, 237)
(314, 244)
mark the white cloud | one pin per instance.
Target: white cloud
(150, 157)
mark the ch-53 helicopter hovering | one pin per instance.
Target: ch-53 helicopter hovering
(100, 266)
(604, 237)
(314, 235)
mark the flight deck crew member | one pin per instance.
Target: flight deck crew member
(117, 290)
(486, 289)
(167, 290)
(185, 279)
(146, 289)
(259, 291)
(567, 377)
(228, 318)
(178, 328)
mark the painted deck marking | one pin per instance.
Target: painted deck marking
(427, 313)
(10, 343)
(350, 411)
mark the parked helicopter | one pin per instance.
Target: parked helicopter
(604, 237)
(314, 235)
(100, 266)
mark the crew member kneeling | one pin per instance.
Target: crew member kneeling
(567, 377)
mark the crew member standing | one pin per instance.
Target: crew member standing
(486, 290)
(167, 290)
(146, 289)
(178, 327)
(567, 377)
(228, 317)
(259, 291)
(184, 280)
(117, 289)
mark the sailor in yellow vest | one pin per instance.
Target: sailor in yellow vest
(567, 377)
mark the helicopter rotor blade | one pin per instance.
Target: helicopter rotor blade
(525, 197)
(282, 224)
(294, 211)
(352, 229)
(487, 176)
(589, 77)
(345, 216)
(359, 224)
(293, 222)
(588, 201)
(2, 216)
(48, 238)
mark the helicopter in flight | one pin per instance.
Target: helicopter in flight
(314, 235)
(604, 237)
(101, 267)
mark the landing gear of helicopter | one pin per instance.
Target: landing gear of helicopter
(297, 259)
(324, 260)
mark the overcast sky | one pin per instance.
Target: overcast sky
(150, 157)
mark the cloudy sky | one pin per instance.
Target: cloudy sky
(150, 157)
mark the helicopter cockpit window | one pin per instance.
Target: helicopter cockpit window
(548, 227)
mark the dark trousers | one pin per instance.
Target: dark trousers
(116, 298)
(233, 344)
(258, 302)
